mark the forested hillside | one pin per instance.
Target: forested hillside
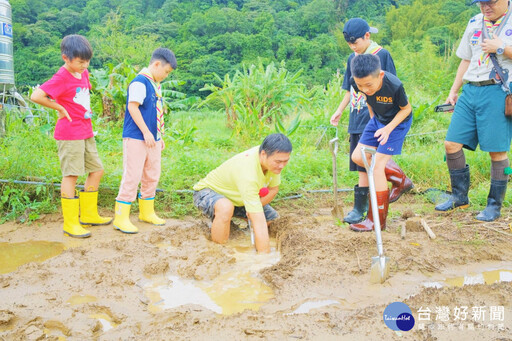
(220, 35)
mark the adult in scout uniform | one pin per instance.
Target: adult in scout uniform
(478, 117)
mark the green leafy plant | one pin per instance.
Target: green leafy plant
(16, 203)
(176, 100)
(181, 133)
(257, 95)
(280, 127)
(110, 90)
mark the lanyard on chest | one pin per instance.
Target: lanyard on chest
(159, 102)
(356, 97)
(489, 28)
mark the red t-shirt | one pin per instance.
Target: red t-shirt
(74, 95)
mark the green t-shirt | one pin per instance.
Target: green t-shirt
(239, 179)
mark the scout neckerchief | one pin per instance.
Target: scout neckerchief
(489, 30)
(356, 97)
(159, 102)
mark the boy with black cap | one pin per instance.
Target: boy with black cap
(357, 34)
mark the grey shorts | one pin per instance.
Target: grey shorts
(206, 198)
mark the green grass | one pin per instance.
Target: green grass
(27, 153)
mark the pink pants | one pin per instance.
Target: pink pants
(140, 165)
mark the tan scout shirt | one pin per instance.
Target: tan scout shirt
(470, 49)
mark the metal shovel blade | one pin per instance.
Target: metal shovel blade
(380, 269)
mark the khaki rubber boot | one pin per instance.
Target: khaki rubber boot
(72, 227)
(122, 218)
(147, 212)
(89, 210)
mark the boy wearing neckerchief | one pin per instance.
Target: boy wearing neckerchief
(142, 142)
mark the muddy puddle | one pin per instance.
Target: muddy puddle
(173, 283)
(361, 292)
(237, 288)
(494, 273)
(13, 255)
(81, 299)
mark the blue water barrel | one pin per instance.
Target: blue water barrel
(6, 50)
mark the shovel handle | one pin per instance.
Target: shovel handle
(371, 151)
(251, 231)
(333, 145)
(373, 196)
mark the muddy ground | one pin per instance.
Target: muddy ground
(319, 261)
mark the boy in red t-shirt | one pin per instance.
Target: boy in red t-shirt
(68, 92)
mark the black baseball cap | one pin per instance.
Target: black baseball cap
(355, 28)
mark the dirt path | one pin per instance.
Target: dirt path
(98, 288)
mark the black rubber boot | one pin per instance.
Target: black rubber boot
(360, 206)
(460, 188)
(494, 201)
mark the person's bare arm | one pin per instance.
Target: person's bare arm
(335, 118)
(272, 191)
(259, 225)
(383, 133)
(41, 97)
(457, 83)
(133, 109)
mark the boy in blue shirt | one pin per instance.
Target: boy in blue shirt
(143, 142)
(357, 34)
(390, 120)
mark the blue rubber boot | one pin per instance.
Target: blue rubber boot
(494, 201)
(460, 188)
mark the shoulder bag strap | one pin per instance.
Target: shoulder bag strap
(503, 74)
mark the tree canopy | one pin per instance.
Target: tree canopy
(220, 36)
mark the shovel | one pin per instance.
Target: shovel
(380, 264)
(337, 211)
(251, 231)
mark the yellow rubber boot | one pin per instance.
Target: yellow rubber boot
(72, 225)
(122, 218)
(89, 210)
(147, 212)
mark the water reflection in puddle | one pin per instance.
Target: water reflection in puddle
(237, 289)
(53, 335)
(13, 255)
(485, 277)
(105, 320)
(81, 299)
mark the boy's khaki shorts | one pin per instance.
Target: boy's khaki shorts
(78, 157)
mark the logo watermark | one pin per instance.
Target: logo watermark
(398, 316)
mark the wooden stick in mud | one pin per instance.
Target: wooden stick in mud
(427, 229)
(358, 262)
(497, 230)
